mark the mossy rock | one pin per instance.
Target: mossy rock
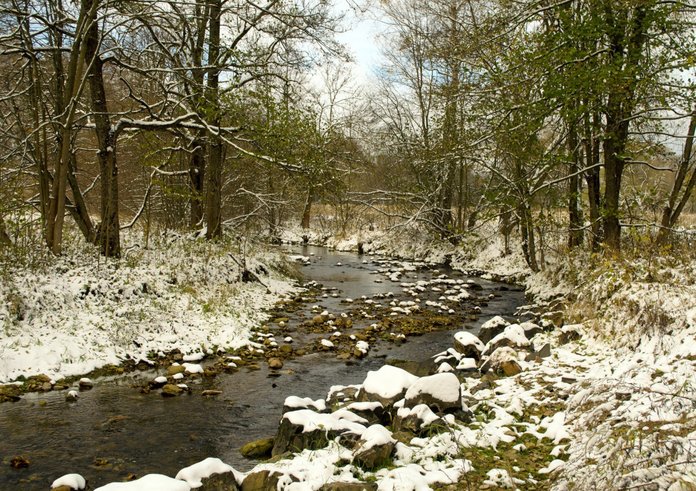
(258, 449)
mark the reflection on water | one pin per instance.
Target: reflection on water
(114, 430)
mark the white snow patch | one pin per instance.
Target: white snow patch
(73, 481)
(194, 474)
(150, 482)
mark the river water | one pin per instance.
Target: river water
(114, 431)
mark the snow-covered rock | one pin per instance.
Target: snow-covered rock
(375, 447)
(503, 361)
(293, 403)
(512, 336)
(441, 391)
(195, 475)
(72, 481)
(468, 345)
(386, 385)
(305, 428)
(491, 328)
(414, 419)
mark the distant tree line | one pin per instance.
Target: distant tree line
(570, 116)
(517, 110)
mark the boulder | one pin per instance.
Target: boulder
(69, 482)
(174, 369)
(211, 474)
(531, 329)
(554, 318)
(265, 480)
(171, 390)
(571, 332)
(416, 419)
(503, 361)
(491, 328)
(375, 448)
(275, 363)
(544, 351)
(339, 394)
(84, 384)
(440, 392)
(513, 336)
(468, 345)
(386, 385)
(258, 449)
(308, 429)
(10, 393)
(227, 481)
(467, 365)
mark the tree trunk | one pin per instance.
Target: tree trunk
(575, 235)
(528, 242)
(56, 214)
(197, 178)
(78, 209)
(592, 178)
(214, 192)
(307, 211)
(109, 228)
(4, 238)
(614, 145)
(676, 204)
(197, 162)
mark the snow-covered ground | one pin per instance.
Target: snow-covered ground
(80, 312)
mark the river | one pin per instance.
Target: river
(114, 431)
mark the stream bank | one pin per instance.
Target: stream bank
(96, 435)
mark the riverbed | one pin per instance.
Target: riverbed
(114, 432)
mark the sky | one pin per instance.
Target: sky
(361, 40)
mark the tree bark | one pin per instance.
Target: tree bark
(592, 178)
(528, 242)
(627, 34)
(214, 192)
(307, 211)
(56, 215)
(109, 229)
(197, 162)
(575, 235)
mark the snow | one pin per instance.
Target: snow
(150, 482)
(465, 338)
(195, 473)
(374, 436)
(466, 364)
(310, 420)
(193, 368)
(194, 357)
(498, 477)
(327, 343)
(441, 386)
(421, 411)
(388, 381)
(73, 481)
(160, 380)
(514, 333)
(494, 322)
(79, 314)
(304, 403)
